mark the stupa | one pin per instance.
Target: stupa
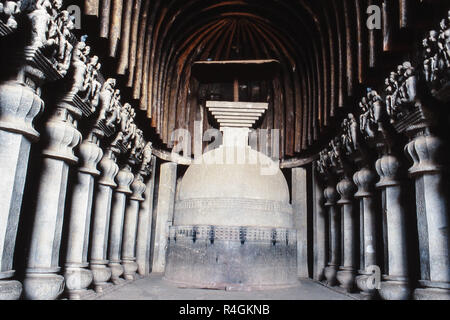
(233, 223)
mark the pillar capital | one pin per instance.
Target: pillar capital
(109, 168)
(124, 179)
(138, 187)
(365, 181)
(20, 105)
(90, 155)
(62, 135)
(331, 195)
(388, 168)
(346, 188)
(427, 153)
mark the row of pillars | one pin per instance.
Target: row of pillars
(109, 217)
(76, 209)
(368, 221)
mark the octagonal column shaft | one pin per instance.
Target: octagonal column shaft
(101, 220)
(131, 228)
(428, 153)
(347, 272)
(164, 214)
(143, 242)
(300, 205)
(19, 105)
(395, 284)
(331, 197)
(319, 220)
(78, 276)
(124, 179)
(365, 180)
(42, 281)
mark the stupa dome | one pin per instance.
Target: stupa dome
(221, 190)
(211, 180)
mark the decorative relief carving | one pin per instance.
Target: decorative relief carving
(336, 153)
(128, 127)
(436, 66)
(237, 234)
(52, 53)
(323, 164)
(401, 93)
(51, 33)
(351, 134)
(128, 138)
(115, 144)
(147, 156)
(91, 85)
(114, 109)
(83, 84)
(373, 115)
(48, 52)
(331, 158)
(8, 12)
(105, 97)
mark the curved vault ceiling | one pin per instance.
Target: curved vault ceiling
(326, 53)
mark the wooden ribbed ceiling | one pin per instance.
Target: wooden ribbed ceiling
(328, 56)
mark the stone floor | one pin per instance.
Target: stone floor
(155, 288)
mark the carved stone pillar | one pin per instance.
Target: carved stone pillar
(395, 284)
(42, 280)
(300, 205)
(319, 221)
(78, 276)
(365, 180)
(24, 70)
(100, 227)
(131, 227)
(124, 180)
(347, 272)
(164, 214)
(145, 228)
(19, 105)
(428, 153)
(331, 197)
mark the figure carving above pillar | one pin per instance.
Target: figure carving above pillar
(46, 53)
(83, 85)
(401, 91)
(147, 157)
(106, 106)
(373, 115)
(51, 33)
(436, 65)
(8, 12)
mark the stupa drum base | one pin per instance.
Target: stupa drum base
(231, 258)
